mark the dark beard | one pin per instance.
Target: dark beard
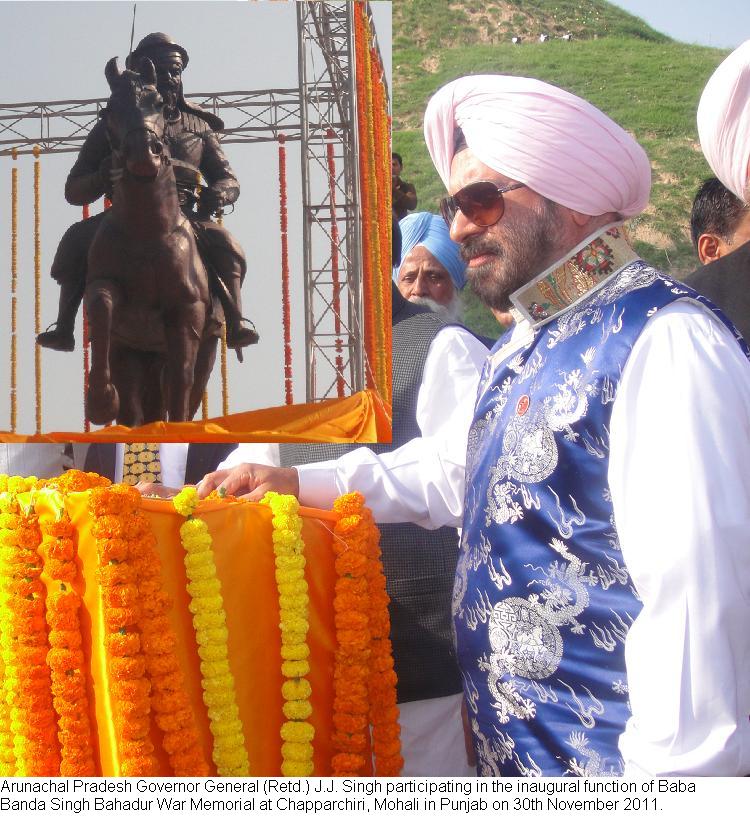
(529, 245)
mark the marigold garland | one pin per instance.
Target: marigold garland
(115, 525)
(364, 681)
(209, 621)
(28, 724)
(169, 700)
(65, 658)
(288, 548)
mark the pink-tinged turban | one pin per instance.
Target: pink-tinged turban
(724, 121)
(556, 143)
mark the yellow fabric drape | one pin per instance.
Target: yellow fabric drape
(245, 566)
(360, 418)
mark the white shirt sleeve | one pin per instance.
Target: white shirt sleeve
(423, 480)
(679, 474)
(267, 454)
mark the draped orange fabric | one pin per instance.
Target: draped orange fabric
(360, 418)
(245, 566)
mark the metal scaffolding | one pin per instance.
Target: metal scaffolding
(321, 115)
(330, 194)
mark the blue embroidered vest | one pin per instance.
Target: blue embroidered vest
(542, 600)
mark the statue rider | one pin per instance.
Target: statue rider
(190, 135)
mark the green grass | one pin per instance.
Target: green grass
(437, 24)
(647, 83)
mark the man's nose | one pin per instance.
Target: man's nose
(421, 286)
(462, 228)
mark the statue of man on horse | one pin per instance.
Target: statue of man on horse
(191, 139)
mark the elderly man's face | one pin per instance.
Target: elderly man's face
(530, 236)
(423, 276)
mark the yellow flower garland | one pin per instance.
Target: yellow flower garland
(209, 621)
(288, 548)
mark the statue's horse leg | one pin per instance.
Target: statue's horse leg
(102, 400)
(203, 366)
(137, 378)
(182, 330)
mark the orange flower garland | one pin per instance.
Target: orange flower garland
(33, 723)
(386, 733)
(169, 700)
(65, 658)
(351, 671)
(364, 681)
(114, 527)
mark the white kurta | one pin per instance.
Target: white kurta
(679, 473)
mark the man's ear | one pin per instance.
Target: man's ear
(710, 247)
(579, 218)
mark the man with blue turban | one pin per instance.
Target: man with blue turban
(431, 269)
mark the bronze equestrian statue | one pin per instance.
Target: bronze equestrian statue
(153, 329)
(190, 138)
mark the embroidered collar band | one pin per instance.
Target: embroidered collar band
(574, 277)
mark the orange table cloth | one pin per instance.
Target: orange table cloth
(245, 566)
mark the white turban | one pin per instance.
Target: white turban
(724, 121)
(552, 141)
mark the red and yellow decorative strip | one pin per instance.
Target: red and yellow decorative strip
(38, 285)
(364, 681)
(209, 620)
(13, 293)
(288, 548)
(285, 297)
(65, 659)
(375, 197)
(115, 526)
(27, 686)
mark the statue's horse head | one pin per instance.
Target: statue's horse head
(134, 119)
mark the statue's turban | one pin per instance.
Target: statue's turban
(724, 121)
(556, 143)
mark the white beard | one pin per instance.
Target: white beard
(451, 312)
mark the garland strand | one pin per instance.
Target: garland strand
(209, 620)
(169, 700)
(285, 298)
(364, 679)
(351, 668)
(115, 525)
(288, 547)
(363, 133)
(65, 658)
(13, 293)
(85, 341)
(33, 723)
(336, 281)
(38, 286)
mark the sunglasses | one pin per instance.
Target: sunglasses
(481, 203)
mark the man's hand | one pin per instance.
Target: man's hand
(146, 488)
(251, 481)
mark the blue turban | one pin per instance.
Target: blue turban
(430, 231)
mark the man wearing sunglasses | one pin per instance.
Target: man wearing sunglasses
(589, 648)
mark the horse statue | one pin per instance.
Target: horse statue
(153, 324)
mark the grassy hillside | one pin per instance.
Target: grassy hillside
(645, 81)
